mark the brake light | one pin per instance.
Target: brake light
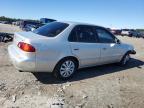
(26, 47)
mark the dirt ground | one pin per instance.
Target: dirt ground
(6, 28)
(107, 86)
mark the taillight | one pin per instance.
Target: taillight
(26, 47)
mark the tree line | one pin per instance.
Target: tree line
(10, 20)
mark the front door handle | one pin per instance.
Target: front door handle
(104, 48)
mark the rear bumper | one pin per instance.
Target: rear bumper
(20, 61)
(132, 52)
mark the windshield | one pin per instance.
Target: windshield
(51, 29)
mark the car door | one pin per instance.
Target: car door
(110, 50)
(83, 42)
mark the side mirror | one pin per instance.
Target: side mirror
(118, 41)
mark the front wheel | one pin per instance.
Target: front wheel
(65, 69)
(125, 59)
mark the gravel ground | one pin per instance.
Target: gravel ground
(107, 86)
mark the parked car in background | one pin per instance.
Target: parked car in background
(116, 31)
(142, 34)
(26, 25)
(64, 47)
(16, 23)
(134, 33)
(30, 27)
(125, 32)
(4, 22)
(46, 20)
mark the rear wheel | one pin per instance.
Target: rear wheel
(65, 69)
(125, 59)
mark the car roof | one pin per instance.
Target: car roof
(79, 23)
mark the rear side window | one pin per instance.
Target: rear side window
(51, 29)
(73, 35)
(83, 33)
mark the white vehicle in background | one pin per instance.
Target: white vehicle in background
(64, 47)
(125, 32)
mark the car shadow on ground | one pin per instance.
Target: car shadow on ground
(47, 78)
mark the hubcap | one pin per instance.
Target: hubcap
(67, 68)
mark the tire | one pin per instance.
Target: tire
(125, 59)
(65, 69)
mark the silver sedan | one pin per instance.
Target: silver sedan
(64, 47)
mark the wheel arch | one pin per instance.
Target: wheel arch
(68, 57)
(130, 52)
(126, 52)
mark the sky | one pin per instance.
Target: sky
(107, 13)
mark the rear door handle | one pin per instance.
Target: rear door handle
(76, 49)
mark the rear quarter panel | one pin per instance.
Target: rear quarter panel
(49, 52)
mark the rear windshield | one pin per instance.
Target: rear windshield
(51, 29)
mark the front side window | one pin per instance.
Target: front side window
(51, 29)
(83, 34)
(104, 36)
